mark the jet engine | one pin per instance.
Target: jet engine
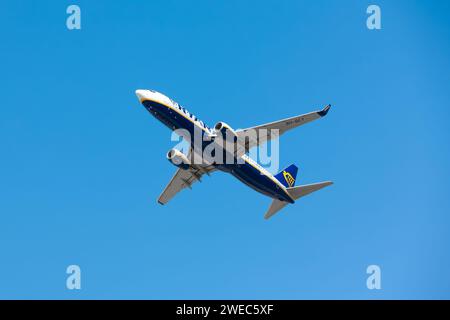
(224, 128)
(178, 158)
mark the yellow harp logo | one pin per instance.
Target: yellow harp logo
(289, 179)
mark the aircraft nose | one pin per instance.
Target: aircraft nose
(141, 94)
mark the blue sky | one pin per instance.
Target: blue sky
(83, 162)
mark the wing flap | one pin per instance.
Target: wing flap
(181, 180)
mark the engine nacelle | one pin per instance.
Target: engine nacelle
(223, 128)
(178, 158)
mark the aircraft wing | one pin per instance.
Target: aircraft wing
(183, 179)
(282, 125)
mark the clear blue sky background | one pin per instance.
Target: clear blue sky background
(82, 162)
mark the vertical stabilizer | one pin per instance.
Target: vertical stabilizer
(287, 176)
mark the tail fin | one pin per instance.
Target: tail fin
(287, 176)
(301, 191)
(295, 193)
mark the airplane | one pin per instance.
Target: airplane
(280, 187)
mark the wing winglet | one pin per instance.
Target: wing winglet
(325, 110)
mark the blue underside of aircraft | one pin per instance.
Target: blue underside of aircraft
(245, 172)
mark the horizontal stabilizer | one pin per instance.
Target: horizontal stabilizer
(301, 191)
(276, 206)
(295, 193)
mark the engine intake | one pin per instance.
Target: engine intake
(178, 159)
(223, 128)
